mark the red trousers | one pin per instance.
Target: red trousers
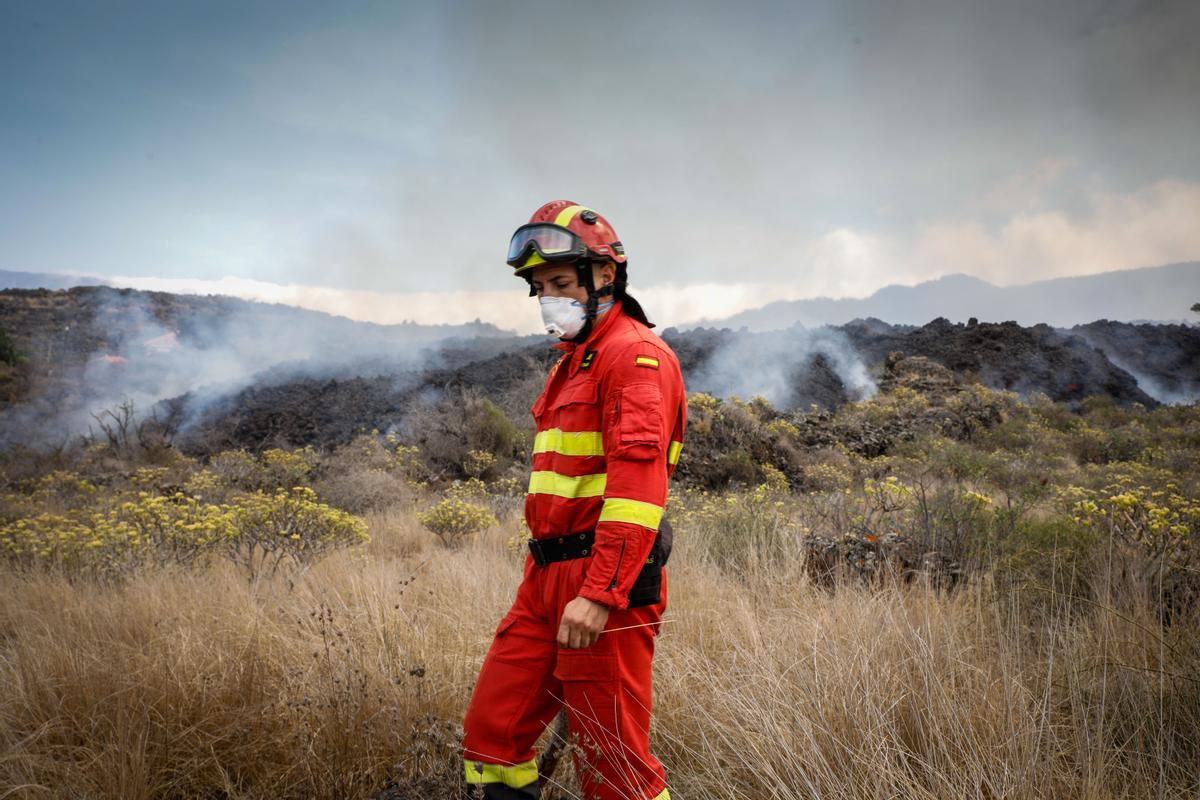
(526, 679)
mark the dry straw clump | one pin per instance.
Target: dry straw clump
(197, 684)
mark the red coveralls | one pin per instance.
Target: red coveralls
(610, 426)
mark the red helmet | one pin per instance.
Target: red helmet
(563, 231)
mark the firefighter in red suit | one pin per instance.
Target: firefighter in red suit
(580, 634)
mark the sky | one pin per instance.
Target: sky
(372, 159)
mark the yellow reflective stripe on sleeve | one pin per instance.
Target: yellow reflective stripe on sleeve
(515, 776)
(565, 216)
(569, 443)
(547, 482)
(673, 452)
(621, 509)
(647, 361)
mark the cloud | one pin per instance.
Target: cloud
(1153, 225)
(1028, 189)
(1156, 224)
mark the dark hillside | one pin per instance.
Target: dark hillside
(813, 365)
(1005, 356)
(253, 375)
(89, 348)
(1165, 359)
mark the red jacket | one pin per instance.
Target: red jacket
(610, 427)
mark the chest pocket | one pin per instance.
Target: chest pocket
(575, 407)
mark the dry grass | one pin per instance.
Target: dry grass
(186, 684)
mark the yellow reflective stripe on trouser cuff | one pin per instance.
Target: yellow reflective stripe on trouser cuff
(565, 216)
(620, 509)
(569, 443)
(516, 776)
(673, 452)
(546, 482)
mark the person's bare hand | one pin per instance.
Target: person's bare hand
(582, 622)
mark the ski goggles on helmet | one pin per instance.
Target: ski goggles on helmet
(551, 243)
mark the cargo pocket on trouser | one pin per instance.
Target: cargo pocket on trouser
(607, 697)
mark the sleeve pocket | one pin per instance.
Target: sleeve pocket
(639, 420)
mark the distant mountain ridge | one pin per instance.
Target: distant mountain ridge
(10, 279)
(1159, 294)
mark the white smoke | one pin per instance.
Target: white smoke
(776, 365)
(1157, 389)
(157, 347)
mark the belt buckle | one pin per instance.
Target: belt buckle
(539, 556)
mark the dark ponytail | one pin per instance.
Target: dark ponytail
(630, 305)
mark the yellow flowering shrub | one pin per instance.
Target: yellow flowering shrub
(702, 411)
(148, 476)
(508, 487)
(453, 518)
(72, 541)
(286, 468)
(1159, 523)
(262, 532)
(288, 529)
(235, 468)
(773, 477)
(472, 489)
(149, 530)
(476, 463)
(827, 478)
(57, 490)
(205, 483)
(781, 428)
(407, 461)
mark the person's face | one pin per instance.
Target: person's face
(560, 280)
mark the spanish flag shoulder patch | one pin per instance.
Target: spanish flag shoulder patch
(647, 361)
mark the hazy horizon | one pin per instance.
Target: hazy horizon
(379, 155)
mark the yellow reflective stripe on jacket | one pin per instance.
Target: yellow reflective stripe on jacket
(664, 796)
(569, 443)
(515, 776)
(673, 452)
(547, 482)
(565, 216)
(621, 509)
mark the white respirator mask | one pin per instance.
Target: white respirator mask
(564, 317)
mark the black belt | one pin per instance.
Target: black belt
(561, 548)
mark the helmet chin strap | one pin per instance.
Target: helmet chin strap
(583, 271)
